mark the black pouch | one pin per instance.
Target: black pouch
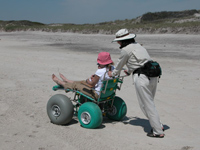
(152, 69)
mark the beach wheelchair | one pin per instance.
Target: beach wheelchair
(90, 111)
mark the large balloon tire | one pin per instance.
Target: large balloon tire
(60, 109)
(90, 115)
(118, 111)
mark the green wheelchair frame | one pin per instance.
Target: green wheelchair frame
(90, 111)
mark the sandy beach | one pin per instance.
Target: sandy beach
(28, 59)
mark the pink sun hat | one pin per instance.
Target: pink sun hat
(104, 58)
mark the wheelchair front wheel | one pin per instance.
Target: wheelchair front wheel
(90, 115)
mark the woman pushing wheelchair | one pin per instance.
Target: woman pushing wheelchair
(145, 75)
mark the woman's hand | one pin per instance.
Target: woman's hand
(110, 73)
(93, 80)
(92, 77)
(126, 72)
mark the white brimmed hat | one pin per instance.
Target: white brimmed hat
(123, 34)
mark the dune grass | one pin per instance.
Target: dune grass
(147, 22)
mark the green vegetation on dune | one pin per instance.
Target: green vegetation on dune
(166, 15)
(158, 22)
(19, 25)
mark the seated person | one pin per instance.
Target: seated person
(91, 86)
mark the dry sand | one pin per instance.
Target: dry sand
(27, 60)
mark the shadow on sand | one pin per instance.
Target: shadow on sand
(144, 123)
(135, 121)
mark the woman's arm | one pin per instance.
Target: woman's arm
(120, 64)
(93, 80)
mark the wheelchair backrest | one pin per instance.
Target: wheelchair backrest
(108, 89)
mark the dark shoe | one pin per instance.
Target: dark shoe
(162, 129)
(155, 135)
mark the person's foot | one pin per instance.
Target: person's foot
(63, 77)
(162, 129)
(55, 79)
(155, 135)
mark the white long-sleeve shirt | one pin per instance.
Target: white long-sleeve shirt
(103, 75)
(133, 56)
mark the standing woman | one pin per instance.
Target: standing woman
(134, 56)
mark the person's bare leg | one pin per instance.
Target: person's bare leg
(58, 81)
(65, 79)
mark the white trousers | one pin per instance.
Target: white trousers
(145, 90)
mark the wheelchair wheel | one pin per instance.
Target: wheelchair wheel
(90, 115)
(118, 111)
(60, 109)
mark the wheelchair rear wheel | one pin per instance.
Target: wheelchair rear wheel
(60, 109)
(118, 110)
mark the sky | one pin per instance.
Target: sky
(87, 11)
